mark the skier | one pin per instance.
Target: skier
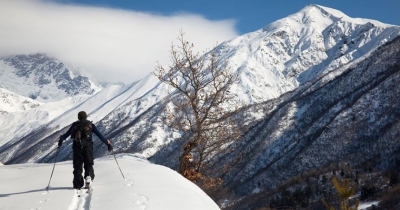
(82, 148)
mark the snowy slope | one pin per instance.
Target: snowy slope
(12, 102)
(15, 124)
(102, 103)
(146, 186)
(136, 98)
(59, 114)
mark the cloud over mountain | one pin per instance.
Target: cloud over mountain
(114, 44)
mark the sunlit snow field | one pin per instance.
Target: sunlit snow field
(146, 186)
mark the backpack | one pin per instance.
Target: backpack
(81, 132)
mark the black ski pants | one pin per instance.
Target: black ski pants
(82, 158)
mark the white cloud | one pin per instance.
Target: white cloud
(116, 45)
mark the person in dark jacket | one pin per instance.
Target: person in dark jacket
(83, 149)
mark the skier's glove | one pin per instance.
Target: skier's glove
(110, 148)
(59, 143)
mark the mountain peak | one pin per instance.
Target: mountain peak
(43, 78)
(295, 49)
(318, 17)
(324, 11)
(311, 15)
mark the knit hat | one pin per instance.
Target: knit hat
(82, 115)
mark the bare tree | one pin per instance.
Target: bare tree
(203, 107)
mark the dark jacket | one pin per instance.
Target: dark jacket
(94, 130)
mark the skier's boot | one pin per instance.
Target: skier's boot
(88, 181)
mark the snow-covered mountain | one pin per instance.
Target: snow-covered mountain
(300, 75)
(146, 186)
(34, 89)
(349, 116)
(12, 102)
(42, 78)
(293, 50)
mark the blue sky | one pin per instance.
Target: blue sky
(251, 15)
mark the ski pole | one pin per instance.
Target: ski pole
(118, 165)
(55, 159)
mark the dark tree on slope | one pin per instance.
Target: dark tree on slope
(202, 110)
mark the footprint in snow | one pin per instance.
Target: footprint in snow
(43, 201)
(129, 183)
(140, 201)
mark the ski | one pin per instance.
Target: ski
(82, 191)
(86, 188)
(78, 192)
